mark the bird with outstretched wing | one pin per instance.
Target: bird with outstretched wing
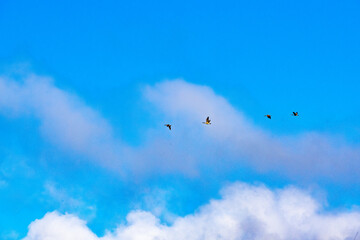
(207, 121)
(268, 116)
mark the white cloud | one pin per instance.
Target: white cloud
(67, 202)
(232, 139)
(243, 212)
(233, 136)
(59, 227)
(65, 119)
(61, 196)
(156, 201)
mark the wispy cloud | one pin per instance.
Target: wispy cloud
(3, 184)
(231, 141)
(243, 212)
(156, 201)
(61, 195)
(66, 202)
(65, 119)
(234, 137)
(10, 235)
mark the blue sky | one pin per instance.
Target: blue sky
(87, 86)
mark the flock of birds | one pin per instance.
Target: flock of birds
(208, 121)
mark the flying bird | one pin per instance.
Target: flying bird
(168, 125)
(295, 114)
(207, 121)
(268, 116)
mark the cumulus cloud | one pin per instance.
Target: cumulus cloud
(63, 227)
(243, 212)
(233, 136)
(65, 119)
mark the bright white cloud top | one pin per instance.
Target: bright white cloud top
(243, 212)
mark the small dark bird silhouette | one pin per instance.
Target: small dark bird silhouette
(268, 116)
(207, 121)
(295, 114)
(168, 125)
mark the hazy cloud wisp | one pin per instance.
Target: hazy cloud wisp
(65, 119)
(309, 154)
(72, 125)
